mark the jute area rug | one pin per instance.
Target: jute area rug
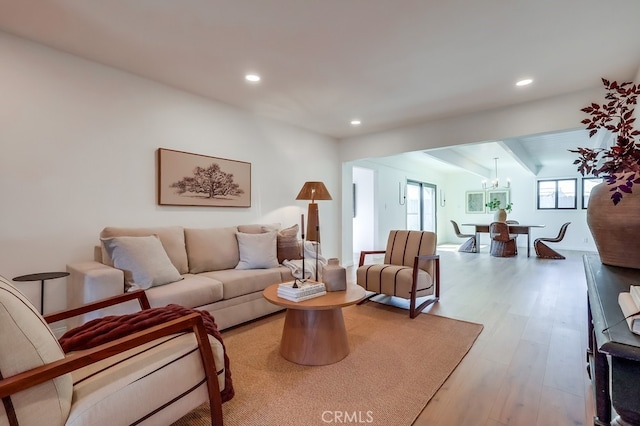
(395, 367)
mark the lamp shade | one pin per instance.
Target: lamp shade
(313, 191)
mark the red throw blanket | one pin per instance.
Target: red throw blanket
(107, 329)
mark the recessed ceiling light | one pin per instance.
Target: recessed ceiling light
(254, 78)
(356, 122)
(524, 82)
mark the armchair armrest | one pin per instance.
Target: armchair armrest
(140, 295)
(364, 253)
(436, 271)
(192, 322)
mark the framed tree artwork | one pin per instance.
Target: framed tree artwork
(500, 195)
(474, 202)
(187, 179)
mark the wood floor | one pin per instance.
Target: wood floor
(528, 365)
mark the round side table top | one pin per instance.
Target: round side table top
(333, 299)
(41, 276)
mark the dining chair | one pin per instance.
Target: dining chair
(544, 251)
(503, 244)
(469, 246)
(411, 269)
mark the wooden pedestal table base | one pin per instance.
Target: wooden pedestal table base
(314, 332)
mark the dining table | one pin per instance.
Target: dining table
(514, 228)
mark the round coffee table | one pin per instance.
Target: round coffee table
(314, 331)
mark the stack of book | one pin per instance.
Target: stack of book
(306, 290)
(630, 305)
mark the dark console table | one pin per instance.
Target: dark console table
(614, 351)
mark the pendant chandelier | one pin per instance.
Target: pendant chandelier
(495, 183)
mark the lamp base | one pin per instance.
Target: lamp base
(313, 233)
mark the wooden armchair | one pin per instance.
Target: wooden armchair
(411, 269)
(503, 244)
(469, 246)
(546, 252)
(151, 377)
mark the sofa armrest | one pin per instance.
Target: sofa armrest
(89, 282)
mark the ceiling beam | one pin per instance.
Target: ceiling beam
(454, 159)
(515, 149)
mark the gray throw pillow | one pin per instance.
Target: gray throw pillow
(143, 258)
(257, 251)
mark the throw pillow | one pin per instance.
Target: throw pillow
(288, 245)
(144, 258)
(257, 251)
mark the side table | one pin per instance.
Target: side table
(42, 277)
(314, 332)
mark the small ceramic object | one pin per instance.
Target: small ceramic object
(334, 276)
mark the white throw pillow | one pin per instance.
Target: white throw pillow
(257, 251)
(144, 258)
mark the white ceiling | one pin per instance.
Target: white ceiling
(389, 63)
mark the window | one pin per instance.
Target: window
(421, 206)
(587, 186)
(557, 194)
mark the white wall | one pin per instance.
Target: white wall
(364, 222)
(78, 143)
(390, 171)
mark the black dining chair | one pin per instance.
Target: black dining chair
(469, 246)
(544, 251)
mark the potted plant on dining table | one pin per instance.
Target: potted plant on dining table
(500, 214)
(613, 213)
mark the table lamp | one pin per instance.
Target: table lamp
(313, 191)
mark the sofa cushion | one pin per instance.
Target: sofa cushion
(258, 229)
(240, 282)
(27, 342)
(192, 292)
(257, 251)
(288, 246)
(171, 237)
(211, 249)
(143, 259)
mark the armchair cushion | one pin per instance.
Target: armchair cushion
(394, 280)
(160, 381)
(110, 328)
(27, 342)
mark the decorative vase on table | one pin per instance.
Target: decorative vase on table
(500, 215)
(615, 228)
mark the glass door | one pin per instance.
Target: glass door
(421, 206)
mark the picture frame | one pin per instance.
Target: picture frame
(474, 202)
(189, 179)
(499, 194)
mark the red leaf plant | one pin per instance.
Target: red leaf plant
(619, 165)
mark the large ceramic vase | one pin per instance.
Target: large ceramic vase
(500, 215)
(615, 228)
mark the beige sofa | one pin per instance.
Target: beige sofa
(206, 261)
